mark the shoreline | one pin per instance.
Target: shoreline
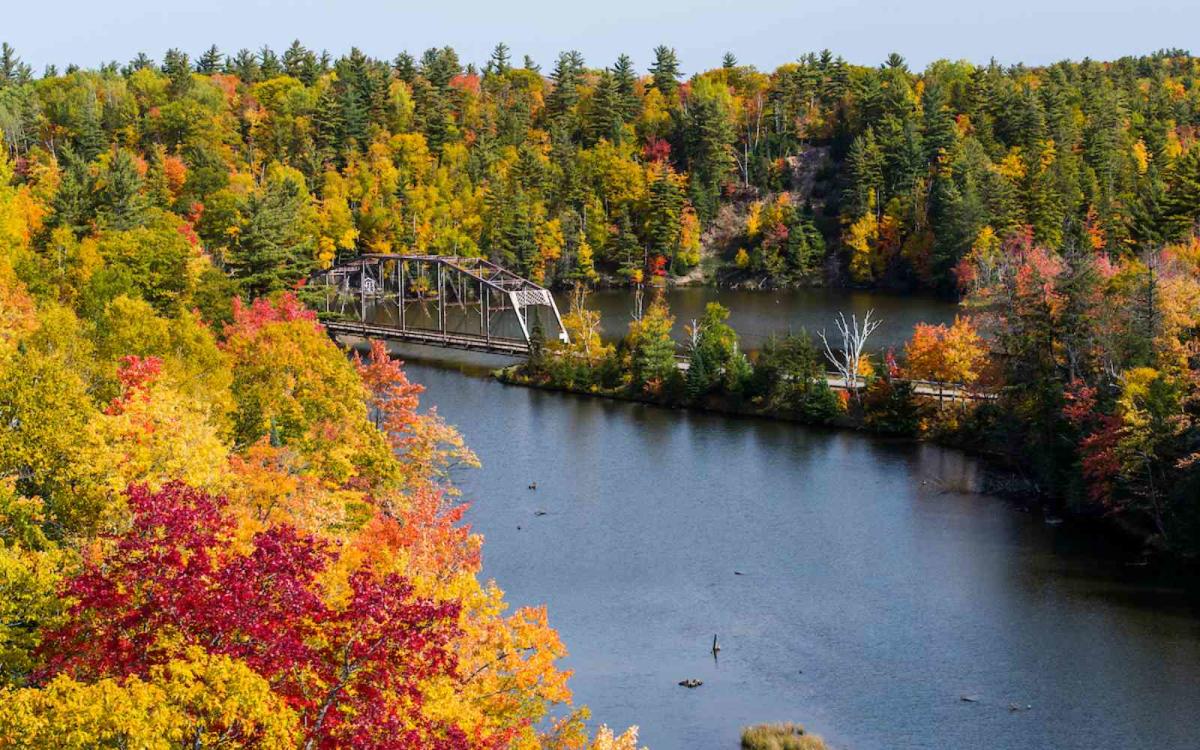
(1108, 537)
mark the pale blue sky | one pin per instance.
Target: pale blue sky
(761, 32)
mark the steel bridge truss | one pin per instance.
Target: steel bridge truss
(447, 301)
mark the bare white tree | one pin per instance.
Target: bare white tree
(693, 332)
(854, 341)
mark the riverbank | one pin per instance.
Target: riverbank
(890, 409)
(831, 409)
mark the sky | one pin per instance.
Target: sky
(764, 33)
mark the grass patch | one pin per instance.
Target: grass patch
(785, 736)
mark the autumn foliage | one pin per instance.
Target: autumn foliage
(250, 541)
(177, 580)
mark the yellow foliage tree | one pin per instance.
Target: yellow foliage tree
(861, 238)
(196, 701)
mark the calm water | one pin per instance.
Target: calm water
(758, 315)
(878, 584)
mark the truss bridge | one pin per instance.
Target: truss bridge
(437, 300)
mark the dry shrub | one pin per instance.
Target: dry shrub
(784, 736)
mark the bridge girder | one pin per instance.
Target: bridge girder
(456, 301)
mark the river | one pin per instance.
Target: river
(759, 315)
(858, 585)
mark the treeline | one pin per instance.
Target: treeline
(820, 171)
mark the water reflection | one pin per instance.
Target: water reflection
(758, 315)
(878, 584)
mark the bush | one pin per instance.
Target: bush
(785, 736)
(813, 402)
(891, 406)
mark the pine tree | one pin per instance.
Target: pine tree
(517, 242)
(566, 75)
(119, 203)
(210, 61)
(708, 140)
(300, 63)
(90, 138)
(605, 118)
(440, 66)
(268, 64)
(156, 189)
(665, 71)
(626, 79)
(698, 381)
(500, 62)
(939, 130)
(354, 117)
(405, 67)
(628, 250)
(177, 67)
(663, 222)
(141, 62)
(653, 349)
(329, 124)
(864, 168)
(1181, 206)
(245, 66)
(729, 62)
(13, 72)
(271, 250)
(74, 200)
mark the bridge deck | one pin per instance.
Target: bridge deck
(464, 341)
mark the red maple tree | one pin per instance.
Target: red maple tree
(177, 578)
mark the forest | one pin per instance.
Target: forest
(819, 172)
(218, 530)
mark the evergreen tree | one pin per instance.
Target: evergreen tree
(1181, 206)
(210, 61)
(625, 78)
(698, 381)
(354, 117)
(864, 168)
(177, 67)
(271, 249)
(939, 128)
(628, 250)
(90, 139)
(652, 348)
(268, 64)
(708, 142)
(665, 71)
(500, 61)
(141, 62)
(663, 222)
(566, 76)
(73, 205)
(245, 66)
(605, 117)
(330, 124)
(13, 72)
(300, 63)
(517, 242)
(405, 67)
(119, 203)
